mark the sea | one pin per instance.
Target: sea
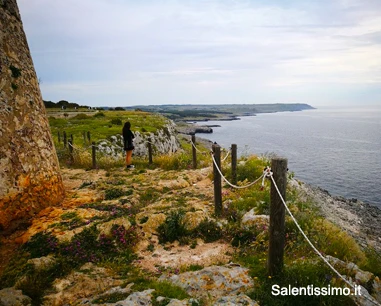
(337, 149)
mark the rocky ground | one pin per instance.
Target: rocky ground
(217, 279)
(361, 220)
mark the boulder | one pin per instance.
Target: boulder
(11, 296)
(250, 219)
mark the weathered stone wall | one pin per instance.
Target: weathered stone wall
(29, 169)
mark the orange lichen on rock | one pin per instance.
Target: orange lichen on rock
(19, 207)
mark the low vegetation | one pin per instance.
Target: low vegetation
(138, 194)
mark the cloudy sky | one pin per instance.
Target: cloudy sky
(133, 52)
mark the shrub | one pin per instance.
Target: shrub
(173, 228)
(116, 121)
(114, 193)
(208, 230)
(41, 244)
(81, 116)
(99, 115)
(149, 195)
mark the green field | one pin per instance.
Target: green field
(101, 124)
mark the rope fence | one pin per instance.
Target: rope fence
(268, 173)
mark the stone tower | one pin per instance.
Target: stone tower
(29, 169)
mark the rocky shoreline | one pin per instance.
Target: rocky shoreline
(360, 220)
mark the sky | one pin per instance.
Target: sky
(141, 52)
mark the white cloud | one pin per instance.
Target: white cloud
(167, 51)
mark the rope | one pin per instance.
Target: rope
(201, 152)
(270, 175)
(232, 185)
(226, 156)
(81, 150)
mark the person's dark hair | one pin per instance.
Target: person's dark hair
(126, 126)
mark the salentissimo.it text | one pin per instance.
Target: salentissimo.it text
(312, 290)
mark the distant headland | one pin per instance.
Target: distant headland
(205, 112)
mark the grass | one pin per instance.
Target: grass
(114, 193)
(102, 126)
(115, 251)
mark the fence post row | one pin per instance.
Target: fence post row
(277, 217)
(217, 180)
(194, 155)
(234, 163)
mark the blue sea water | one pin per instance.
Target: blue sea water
(336, 149)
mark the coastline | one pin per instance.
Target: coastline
(360, 220)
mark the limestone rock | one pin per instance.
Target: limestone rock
(163, 141)
(88, 282)
(363, 278)
(142, 298)
(214, 281)
(232, 300)
(251, 219)
(176, 302)
(152, 223)
(11, 296)
(42, 263)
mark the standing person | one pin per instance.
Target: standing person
(128, 137)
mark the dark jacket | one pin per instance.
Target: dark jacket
(128, 137)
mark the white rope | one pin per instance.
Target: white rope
(270, 174)
(194, 146)
(226, 156)
(232, 185)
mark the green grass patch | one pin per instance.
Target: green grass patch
(114, 193)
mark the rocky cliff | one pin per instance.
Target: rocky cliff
(163, 141)
(29, 171)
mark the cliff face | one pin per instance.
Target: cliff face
(29, 169)
(163, 141)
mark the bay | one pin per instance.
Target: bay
(336, 149)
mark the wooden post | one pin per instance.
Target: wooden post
(217, 180)
(194, 155)
(72, 138)
(93, 151)
(234, 163)
(150, 152)
(84, 137)
(277, 217)
(88, 136)
(64, 139)
(70, 141)
(59, 137)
